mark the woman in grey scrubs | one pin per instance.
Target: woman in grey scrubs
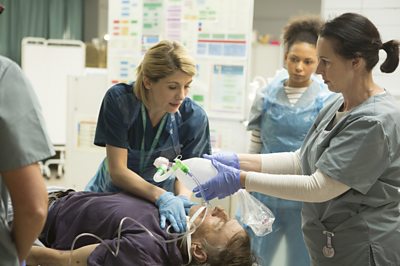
(347, 171)
(24, 142)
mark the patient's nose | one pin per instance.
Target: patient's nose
(220, 212)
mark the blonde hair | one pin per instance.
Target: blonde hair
(160, 61)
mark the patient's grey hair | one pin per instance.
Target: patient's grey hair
(236, 253)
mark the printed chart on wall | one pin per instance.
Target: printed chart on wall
(220, 31)
(216, 33)
(229, 82)
(153, 26)
(125, 25)
(222, 52)
(86, 129)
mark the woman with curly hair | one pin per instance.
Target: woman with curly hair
(280, 118)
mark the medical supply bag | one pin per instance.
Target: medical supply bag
(254, 213)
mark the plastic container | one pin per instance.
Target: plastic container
(163, 169)
(202, 169)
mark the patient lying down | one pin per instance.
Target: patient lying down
(217, 241)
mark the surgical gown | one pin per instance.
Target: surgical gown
(361, 151)
(283, 127)
(120, 124)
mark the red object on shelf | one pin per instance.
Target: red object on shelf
(275, 42)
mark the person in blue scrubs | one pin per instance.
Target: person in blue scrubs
(150, 118)
(347, 171)
(280, 117)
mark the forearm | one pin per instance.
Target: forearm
(45, 256)
(29, 198)
(51, 257)
(314, 188)
(281, 163)
(26, 227)
(131, 182)
(126, 179)
(250, 162)
(273, 163)
(180, 189)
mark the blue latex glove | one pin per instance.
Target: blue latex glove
(187, 204)
(225, 183)
(171, 208)
(228, 158)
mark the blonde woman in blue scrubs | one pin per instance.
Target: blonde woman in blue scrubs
(151, 118)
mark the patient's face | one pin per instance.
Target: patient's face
(216, 228)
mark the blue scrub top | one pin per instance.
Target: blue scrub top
(361, 151)
(120, 124)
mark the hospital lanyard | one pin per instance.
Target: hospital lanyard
(144, 162)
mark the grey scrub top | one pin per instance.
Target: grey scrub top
(361, 151)
(23, 140)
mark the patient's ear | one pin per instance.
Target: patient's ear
(198, 253)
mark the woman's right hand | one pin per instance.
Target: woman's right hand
(228, 158)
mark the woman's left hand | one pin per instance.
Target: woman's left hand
(225, 183)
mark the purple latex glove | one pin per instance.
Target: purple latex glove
(225, 183)
(228, 158)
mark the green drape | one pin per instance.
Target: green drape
(49, 19)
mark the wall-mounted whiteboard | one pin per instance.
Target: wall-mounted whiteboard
(84, 97)
(217, 33)
(48, 63)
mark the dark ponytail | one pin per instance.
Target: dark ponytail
(357, 36)
(392, 59)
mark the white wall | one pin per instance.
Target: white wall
(271, 15)
(385, 15)
(82, 156)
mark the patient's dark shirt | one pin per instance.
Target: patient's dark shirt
(100, 214)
